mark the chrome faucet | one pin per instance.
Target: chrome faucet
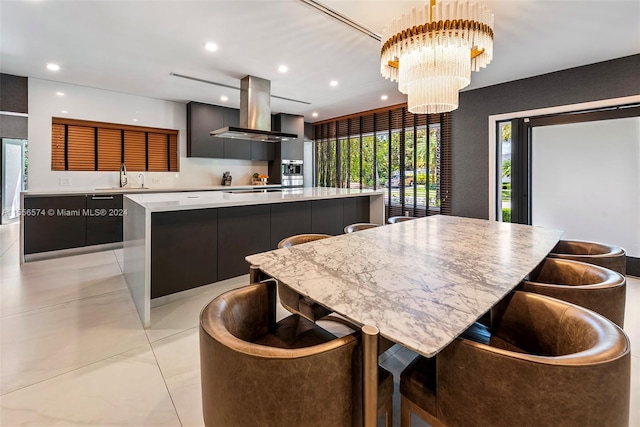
(141, 179)
(123, 175)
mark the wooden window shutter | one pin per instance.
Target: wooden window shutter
(173, 152)
(158, 152)
(135, 150)
(109, 149)
(81, 148)
(57, 147)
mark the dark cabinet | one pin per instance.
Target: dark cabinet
(184, 247)
(327, 216)
(235, 148)
(288, 219)
(262, 150)
(242, 230)
(54, 223)
(289, 123)
(104, 219)
(201, 120)
(356, 209)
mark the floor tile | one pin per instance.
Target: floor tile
(9, 234)
(40, 344)
(124, 390)
(183, 313)
(10, 266)
(178, 357)
(634, 415)
(38, 290)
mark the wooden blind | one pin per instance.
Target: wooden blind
(109, 149)
(397, 122)
(81, 145)
(158, 153)
(81, 154)
(135, 152)
(173, 152)
(57, 147)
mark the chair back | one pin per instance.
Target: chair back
(587, 285)
(548, 362)
(611, 257)
(248, 384)
(359, 226)
(298, 239)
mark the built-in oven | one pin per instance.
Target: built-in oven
(292, 173)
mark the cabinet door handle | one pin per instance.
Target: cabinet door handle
(101, 197)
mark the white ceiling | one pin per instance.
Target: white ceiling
(133, 46)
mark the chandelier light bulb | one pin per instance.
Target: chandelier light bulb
(431, 52)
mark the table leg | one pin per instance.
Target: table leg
(370, 375)
(254, 274)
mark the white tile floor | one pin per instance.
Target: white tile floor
(74, 353)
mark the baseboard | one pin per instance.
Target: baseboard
(633, 266)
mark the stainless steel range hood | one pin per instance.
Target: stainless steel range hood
(255, 114)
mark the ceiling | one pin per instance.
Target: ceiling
(134, 46)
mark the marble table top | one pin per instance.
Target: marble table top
(420, 282)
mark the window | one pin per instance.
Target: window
(407, 155)
(78, 145)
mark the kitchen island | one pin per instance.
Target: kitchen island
(174, 242)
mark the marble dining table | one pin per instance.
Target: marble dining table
(419, 283)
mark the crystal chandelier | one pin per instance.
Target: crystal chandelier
(430, 52)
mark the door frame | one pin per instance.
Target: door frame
(493, 123)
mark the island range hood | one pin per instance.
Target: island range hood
(255, 114)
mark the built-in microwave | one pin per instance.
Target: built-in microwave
(292, 175)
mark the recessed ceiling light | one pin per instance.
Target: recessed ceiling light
(211, 47)
(224, 98)
(53, 67)
(283, 68)
(60, 93)
(384, 97)
(314, 114)
(64, 111)
(333, 83)
(135, 120)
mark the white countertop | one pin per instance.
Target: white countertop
(420, 282)
(160, 202)
(135, 190)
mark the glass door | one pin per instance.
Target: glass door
(14, 177)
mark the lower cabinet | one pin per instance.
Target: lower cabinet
(66, 222)
(288, 219)
(54, 223)
(104, 219)
(327, 216)
(183, 250)
(242, 231)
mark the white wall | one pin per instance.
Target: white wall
(586, 181)
(86, 103)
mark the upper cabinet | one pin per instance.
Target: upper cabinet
(201, 120)
(288, 123)
(204, 118)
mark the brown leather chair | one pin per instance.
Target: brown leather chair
(395, 219)
(256, 372)
(587, 285)
(290, 299)
(611, 257)
(359, 226)
(545, 363)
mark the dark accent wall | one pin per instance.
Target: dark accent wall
(470, 146)
(14, 99)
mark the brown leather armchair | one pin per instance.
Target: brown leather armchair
(395, 219)
(256, 372)
(290, 299)
(611, 257)
(546, 363)
(359, 226)
(587, 285)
